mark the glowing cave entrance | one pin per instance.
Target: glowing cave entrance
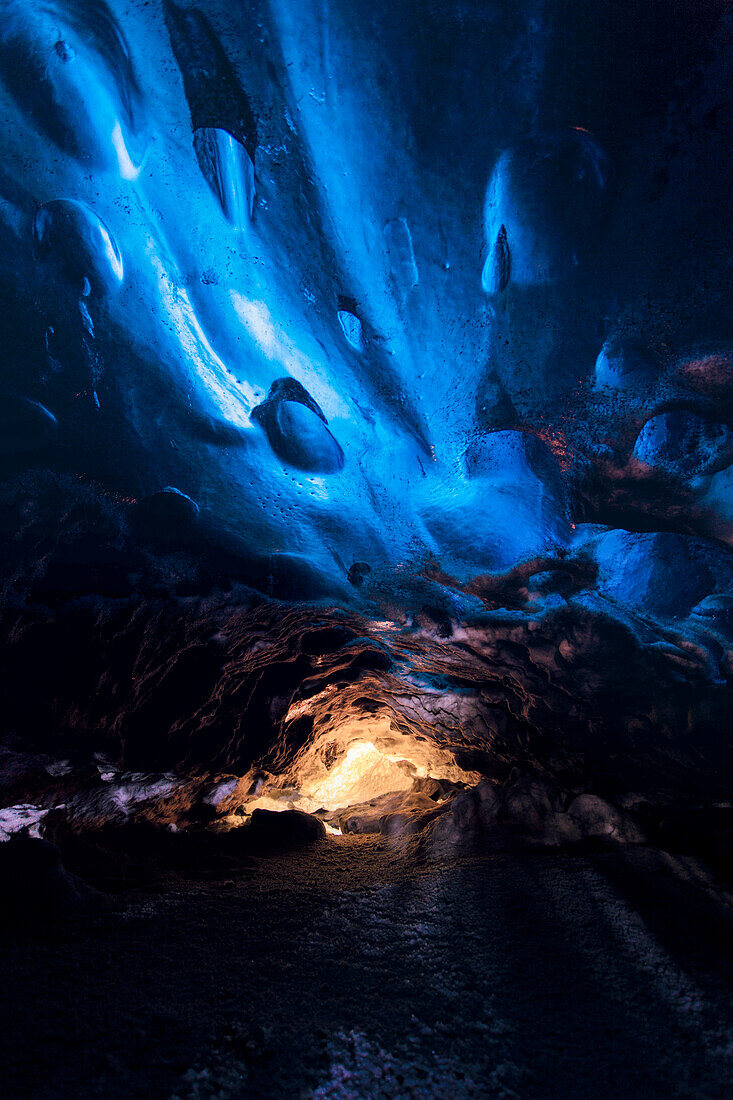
(364, 764)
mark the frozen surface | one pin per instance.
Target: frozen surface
(373, 287)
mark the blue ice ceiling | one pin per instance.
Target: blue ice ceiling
(380, 286)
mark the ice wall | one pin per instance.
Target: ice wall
(379, 289)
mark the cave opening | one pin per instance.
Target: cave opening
(360, 776)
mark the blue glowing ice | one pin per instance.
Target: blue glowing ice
(361, 306)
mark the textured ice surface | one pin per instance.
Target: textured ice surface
(374, 291)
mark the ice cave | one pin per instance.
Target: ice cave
(366, 549)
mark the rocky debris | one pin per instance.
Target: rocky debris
(136, 830)
(528, 812)
(350, 322)
(218, 684)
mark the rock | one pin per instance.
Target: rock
(351, 326)
(399, 826)
(456, 826)
(464, 822)
(528, 804)
(489, 803)
(464, 808)
(271, 829)
(529, 813)
(595, 817)
(399, 813)
(434, 789)
(625, 365)
(358, 571)
(683, 444)
(558, 830)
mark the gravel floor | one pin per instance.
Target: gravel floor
(344, 972)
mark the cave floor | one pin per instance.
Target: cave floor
(346, 972)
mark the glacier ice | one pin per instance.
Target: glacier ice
(371, 315)
(229, 170)
(81, 244)
(683, 444)
(544, 207)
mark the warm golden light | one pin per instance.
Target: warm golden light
(362, 774)
(361, 760)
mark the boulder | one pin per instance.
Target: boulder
(285, 829)
(683, 444)
(529, 803)
(596, 818)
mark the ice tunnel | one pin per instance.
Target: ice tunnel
(366, 439)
